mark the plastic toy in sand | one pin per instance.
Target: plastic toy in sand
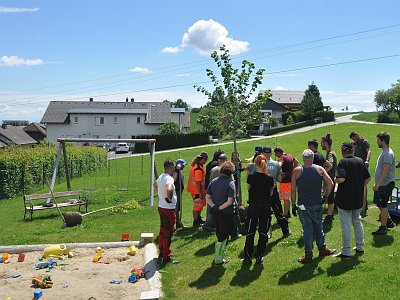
(46, 264)
(43, 283)
(5, 258)
(57, 251)
(132, 250)
(98, 255)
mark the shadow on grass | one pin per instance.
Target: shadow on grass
(189, 235)
(210, 277)
(382, 241)
(303, 273)
(300, 242)
(208, 250)
(37, 217)
(244, 276)
(270, 245)
(342, 266)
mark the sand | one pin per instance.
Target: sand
(80, 278)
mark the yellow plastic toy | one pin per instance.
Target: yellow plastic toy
(56, 251)
(98, 255)
(132, 250)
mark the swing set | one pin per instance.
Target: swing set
(62, 149)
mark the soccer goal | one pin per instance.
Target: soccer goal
(62, 149)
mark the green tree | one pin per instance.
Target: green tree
(272, 121)
(180, 104)
(233, 89)
(290, 120)
(207, 118)
(312, 101)
(168, 128)
(388, 100)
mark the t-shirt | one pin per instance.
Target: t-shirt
(350, 193)
(287, 161)
(386, 157)
(319, 159)
(220, 189)
(260, 188)
(274, 169)
(162, 182)
(361, 150)
(215, 172)
(332, 158)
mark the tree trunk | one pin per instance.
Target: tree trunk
(239, 183)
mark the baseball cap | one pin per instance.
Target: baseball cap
(258, 148)
(347, 147)
(267, 149)
(181, 161)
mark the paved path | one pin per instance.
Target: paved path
(339, 120)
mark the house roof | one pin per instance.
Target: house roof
(58, 111)
(16, 135)
(273, 105)
(287, 96)
(2, 145)
(36, 127)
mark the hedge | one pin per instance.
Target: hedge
(289, 127)
(326, 115)
(173, 141)
(24, 170)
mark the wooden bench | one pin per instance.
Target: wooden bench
(72, 198)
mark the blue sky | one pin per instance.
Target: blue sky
(156, 50)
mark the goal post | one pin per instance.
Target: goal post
(63, 149)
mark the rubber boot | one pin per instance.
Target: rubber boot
(218, 257)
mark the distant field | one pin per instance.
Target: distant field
(367, 116)
(341, 114)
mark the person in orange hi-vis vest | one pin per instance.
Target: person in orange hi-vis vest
(196, 186)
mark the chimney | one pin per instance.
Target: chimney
(4, 125)
(127, 100)
(132, 99)
(90, 99)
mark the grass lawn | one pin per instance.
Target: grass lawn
(367, 116)
(194, 126)
(373, 275)
(341, 114)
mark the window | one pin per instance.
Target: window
(115, 120)
(99, 121)
(119, 136)
(138, 120)
(76, 119)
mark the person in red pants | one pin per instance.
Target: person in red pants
(166, 209)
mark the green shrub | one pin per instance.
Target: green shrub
(299, 116)
(290, 120)
(326, 115)
(289, 127)
(286, 115)
(25, 170)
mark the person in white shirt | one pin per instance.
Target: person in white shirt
(166, 209)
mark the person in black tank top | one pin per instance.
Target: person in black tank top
(259, 211)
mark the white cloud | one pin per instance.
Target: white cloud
(140, 70)
(207, 36)
(171, 50)
(279, 88)
(327, 58)
(8, 10)
(183, 75)
(10, 61)
(354, 100)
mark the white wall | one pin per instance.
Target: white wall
(86, 127)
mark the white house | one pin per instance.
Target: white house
(92, 119)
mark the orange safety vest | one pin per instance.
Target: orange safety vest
(192, 187)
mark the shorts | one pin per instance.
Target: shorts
(382, 196)
(198, 203)
(284, 191)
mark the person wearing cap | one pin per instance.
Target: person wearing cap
(307, 180)
(166, 209)
(179, 187)
(351, 176)
(214, 173)
(385, 174)
(362, 149)
(287, 162)
(275, 171)
(260, 185)
(326, 144)
(196, 186)
(257, 151)
(221, 198)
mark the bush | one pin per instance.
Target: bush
(173, 141)
(290, 120)
(384, 118)
(24, 170)
(325, 115)
(289, 127)
(169, 128)
(286, 115)
(299, 116)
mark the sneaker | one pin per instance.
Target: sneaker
(305, 259)
(224, 262)
(358, 250)
(341, 255)
(196, 223)
(326, 252)
(246, 260)
(201, 221)
(390, 224)
(259, 260)
(171, 261)
(382, 230)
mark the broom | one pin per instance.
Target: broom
(73, 218)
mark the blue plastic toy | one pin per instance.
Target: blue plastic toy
(37, 294)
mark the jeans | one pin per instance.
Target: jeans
(311, 220)
(348, 218)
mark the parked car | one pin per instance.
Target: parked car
(122, 147)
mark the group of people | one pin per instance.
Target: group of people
(306, 188)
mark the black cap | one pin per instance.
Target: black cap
(347, 147)
(267, 149)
